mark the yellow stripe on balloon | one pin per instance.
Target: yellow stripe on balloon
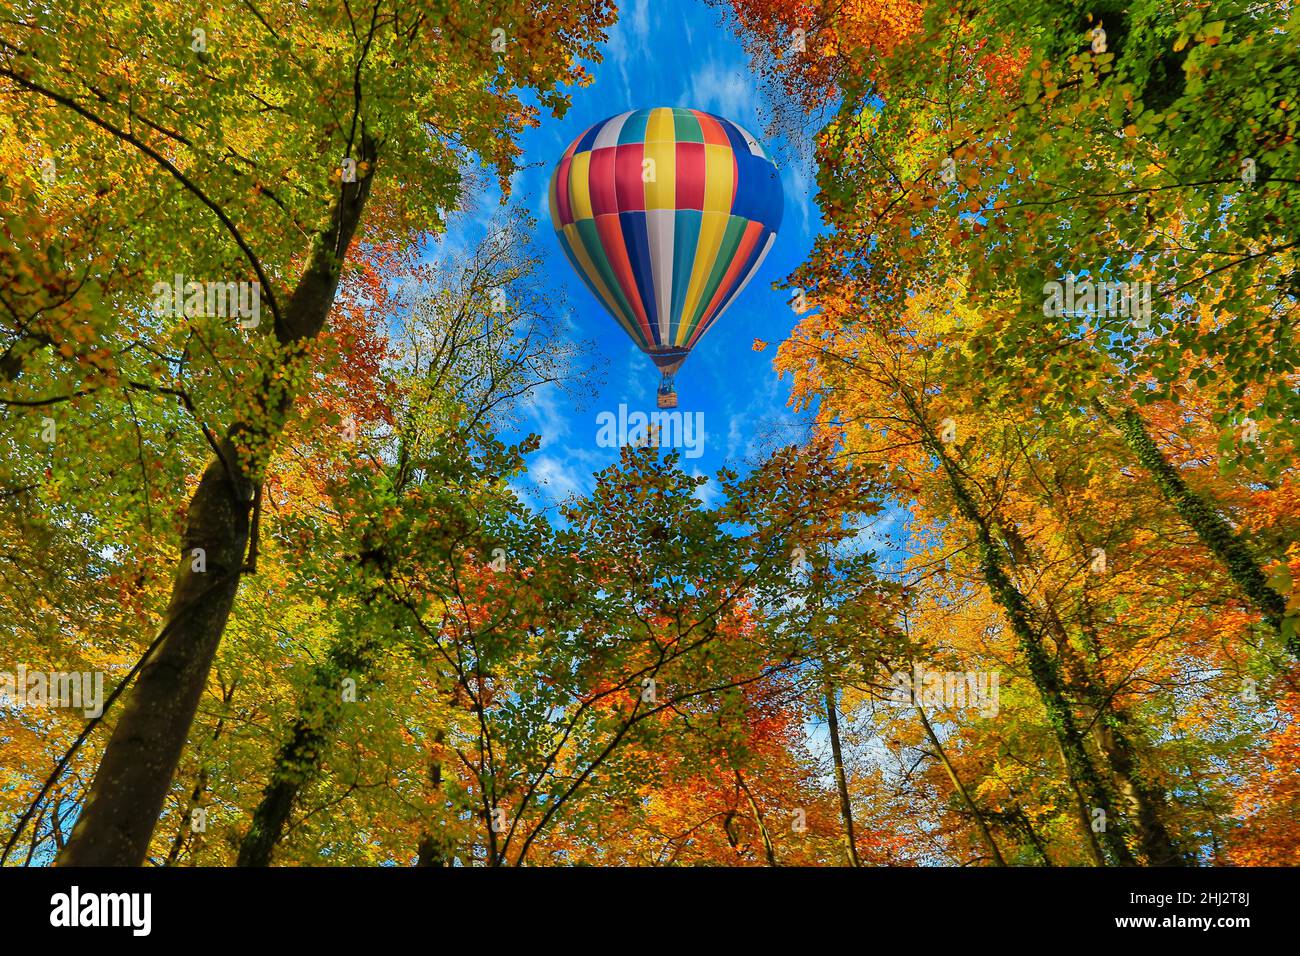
(660, 128)
(662, 192)
(712, 227)
(719, 178)
(579, 186)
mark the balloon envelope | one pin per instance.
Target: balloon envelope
(666, 214)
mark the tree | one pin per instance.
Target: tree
(269, 129)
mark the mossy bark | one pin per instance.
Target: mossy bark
(1083, 776)
(1210, 526)
(135, 773)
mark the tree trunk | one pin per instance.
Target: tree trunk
(431, 851)
(1154, 840)
(295, 764)
(768, 850)
(841, 781)
(139, 762)
(985, 834)
(136, 770)
(1081, 774)
(1081, 810)
(1020, 819)
(300, 757)
(1210, 526)
(1112, 731)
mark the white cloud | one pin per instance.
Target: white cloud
(545, 410)
(618, 52)
(640, 19)
(542, 209)
(799, 193)
(735, 435)
(563, 473)
(557, 480)
(724, 89)
(642, 378)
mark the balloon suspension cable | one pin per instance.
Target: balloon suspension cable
(667, 397)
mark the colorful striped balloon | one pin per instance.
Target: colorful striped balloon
(666, 214)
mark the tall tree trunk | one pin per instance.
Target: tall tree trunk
(429, 852)
(985, 834)
(1154, 839)
(136, 770)
(841, 780)
(1020, 820)
(296, 763)
(1109, 724)
(432, 851)
(299, 758)
(1082, 775)
(1081, 815)
(1113, 732)
(768, 850)
(139, 762)
(1204, 519)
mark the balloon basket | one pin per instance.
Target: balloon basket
(667, 399)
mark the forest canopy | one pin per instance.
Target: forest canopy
(262, 493)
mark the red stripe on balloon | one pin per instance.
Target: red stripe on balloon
(601, 181)
(562, 204)
(690, 176)
(627, 171)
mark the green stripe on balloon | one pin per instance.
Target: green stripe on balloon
(686, 238)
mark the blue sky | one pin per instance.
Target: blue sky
(676, 53)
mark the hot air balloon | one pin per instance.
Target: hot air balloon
(666, 214)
